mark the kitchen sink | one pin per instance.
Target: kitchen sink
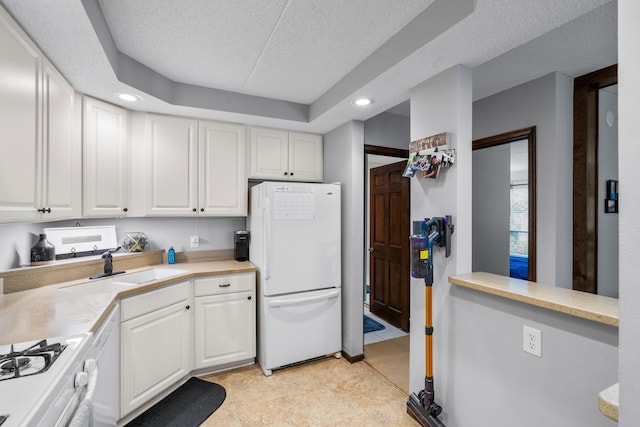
(97, 287)
(121, 283)
(146, 276)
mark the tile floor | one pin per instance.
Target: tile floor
(387, 333)
(328, 392)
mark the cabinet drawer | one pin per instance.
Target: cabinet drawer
(154, 300)
(224, 284)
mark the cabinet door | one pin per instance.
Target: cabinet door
(173, 166)
(225, 329)
(305, 157)
(223, 181)
(156, 353)
(61, 162)
(269, 154)
(105, 151)
(20, 115)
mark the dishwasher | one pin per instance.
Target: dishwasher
(106, 352)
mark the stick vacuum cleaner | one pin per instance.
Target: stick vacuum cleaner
(427, 233)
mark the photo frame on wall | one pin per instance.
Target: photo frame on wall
(429, 156)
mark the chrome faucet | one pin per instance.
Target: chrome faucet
(108, 263)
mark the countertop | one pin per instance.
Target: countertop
(597, 308)
(48, 312)
(608, 401)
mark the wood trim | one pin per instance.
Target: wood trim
(585, 176)
(352, 359)
(386, 151)
(505, 138)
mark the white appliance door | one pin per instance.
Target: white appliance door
(301, 326)
(302, 238)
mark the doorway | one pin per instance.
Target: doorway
(588, 212)
(379, 159)
(386, 350)
(504, 204)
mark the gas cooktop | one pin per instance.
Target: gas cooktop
(30, 359)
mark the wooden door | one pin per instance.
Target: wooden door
(389, 251)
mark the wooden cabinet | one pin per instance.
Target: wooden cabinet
(195, 168)
(105, 144)
(281, 155)
(156, 343)
(225, 320)
(41, 164)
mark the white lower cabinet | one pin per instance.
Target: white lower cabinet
(156, 343)
(161, 343)
(225, 320)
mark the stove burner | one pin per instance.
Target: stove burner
(36, 359)
(12, 364)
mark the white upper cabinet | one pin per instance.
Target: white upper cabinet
(61, 162)
(281, 155)
(195, 168)
(20, 117)
(40, 170)
(305, 157)
(172, 176)
(105, 159)
(223, 180)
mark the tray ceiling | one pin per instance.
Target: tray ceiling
(299, 63)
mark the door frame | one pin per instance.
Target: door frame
(505, 138)
(585, 176)
(380, 151)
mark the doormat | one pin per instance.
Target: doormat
(371, 325)
(187, 406)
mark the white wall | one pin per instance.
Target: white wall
(482, 376)
(16, 239)
(629, 172)
(607, 169)
(546, 103)
(344, 163)
(491, 209)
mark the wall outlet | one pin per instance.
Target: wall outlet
(532, 340)
(195, 241)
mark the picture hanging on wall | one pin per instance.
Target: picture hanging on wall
(428, 156)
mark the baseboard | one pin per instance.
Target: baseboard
(352, 359)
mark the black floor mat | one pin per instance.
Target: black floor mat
(187, 406)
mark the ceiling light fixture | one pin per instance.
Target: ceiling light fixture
(128, 97)
(362, 102)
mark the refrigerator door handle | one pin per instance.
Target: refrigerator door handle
(285, 302)
(267, 237)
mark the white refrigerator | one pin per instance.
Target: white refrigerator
(295, 243)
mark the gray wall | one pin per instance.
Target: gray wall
(482, 376)
(491, 210)
(344, 163)
(629, 172)
(387, 130)
(16, 239)
(546, 103)
(607, 169)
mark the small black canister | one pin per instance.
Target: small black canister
(43, 250)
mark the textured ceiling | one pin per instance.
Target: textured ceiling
(284, 49)
(299, 63)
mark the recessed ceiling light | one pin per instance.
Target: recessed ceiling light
(361, 102)
(128, 97)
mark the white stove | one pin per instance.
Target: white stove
(38, 379)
